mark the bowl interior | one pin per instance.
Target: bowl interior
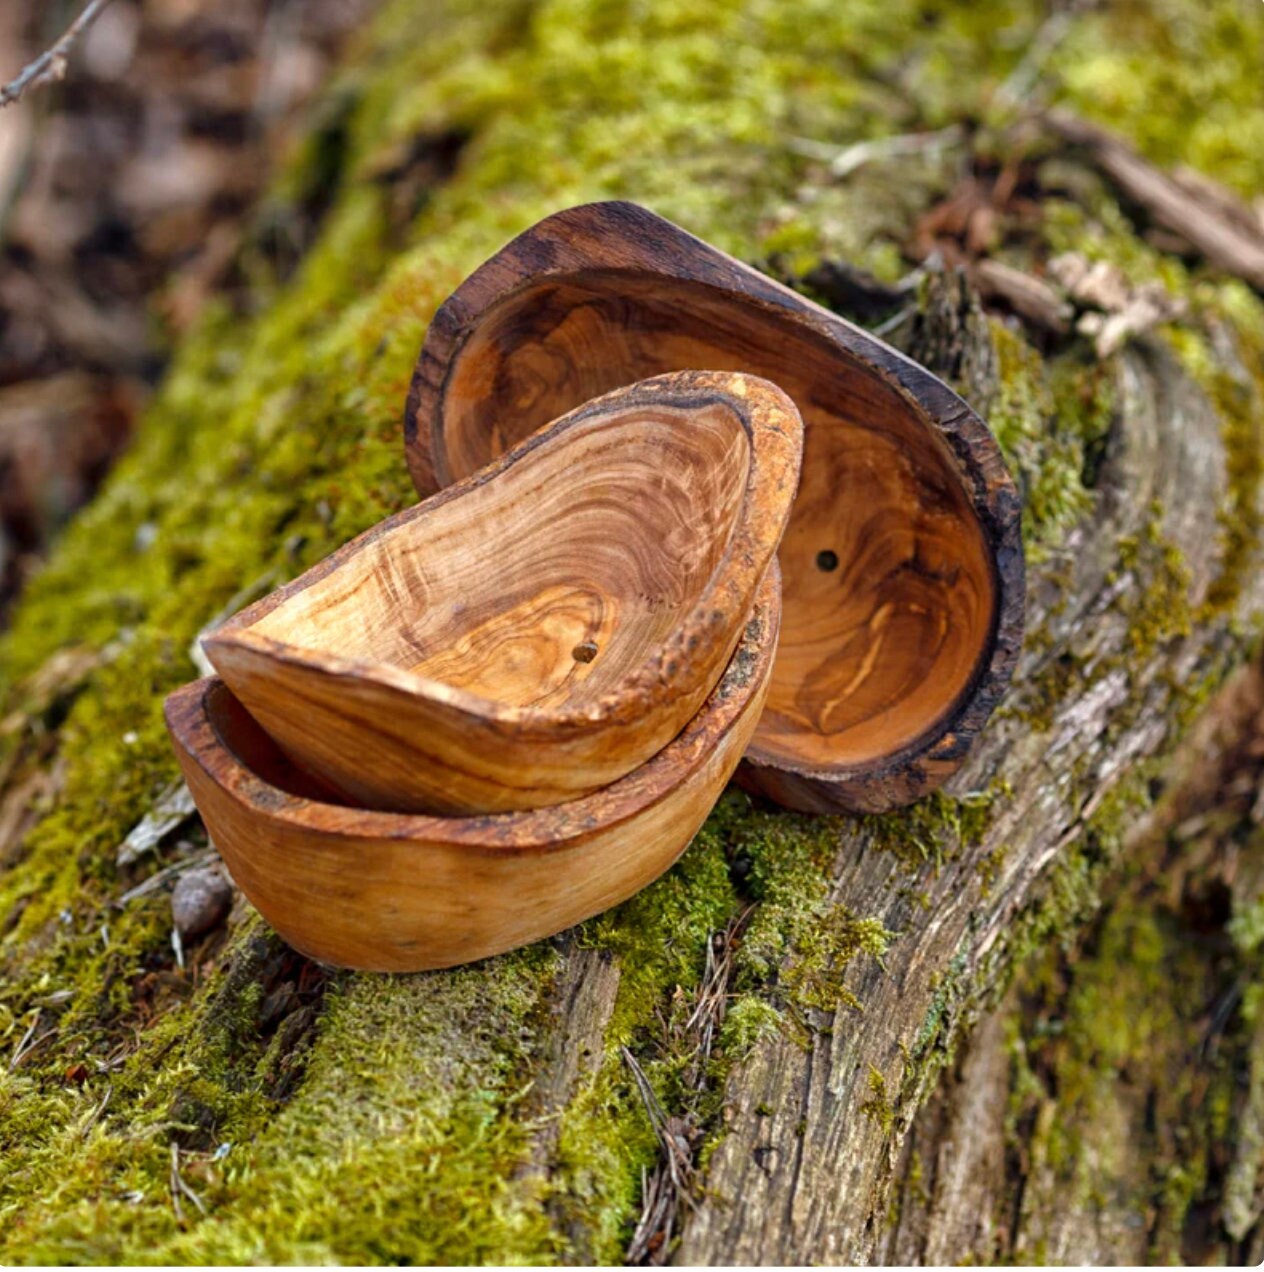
(889, 601)
(254, 748)
(549, 584)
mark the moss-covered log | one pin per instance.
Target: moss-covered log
(1112, 1110)
(776, 1008)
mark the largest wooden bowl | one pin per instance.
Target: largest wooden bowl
(396, 892)
(541, 629)
(902, 563)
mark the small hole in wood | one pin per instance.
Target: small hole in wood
(585, 651)
(827, 560)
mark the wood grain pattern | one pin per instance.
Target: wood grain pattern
(902, 562)
(398, 892)
(540, 630)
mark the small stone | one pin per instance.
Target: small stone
(201, 901)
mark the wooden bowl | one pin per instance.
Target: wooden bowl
(401, 892)
(539, 630)
(902, 563)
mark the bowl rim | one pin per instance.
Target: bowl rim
(774, 431)
(541, 830)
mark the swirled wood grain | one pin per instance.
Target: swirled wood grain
(543, 628)
(399, 892)
(902, 562)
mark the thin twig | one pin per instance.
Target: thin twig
(178, 1186)
(255, 588)
(156, 880)
(51, 66)
(19, 1050)
(842, 163)
(658, 1119)
(670, 1181)
(95, 1116)
(1025, 76)
(679, 1164)
(669, 1186)
(1226, 241)
(30, 1041)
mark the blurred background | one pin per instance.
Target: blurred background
(123, 192)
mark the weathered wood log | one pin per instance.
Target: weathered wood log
(1083, 1122)
(902, 563)
(539, 631)
(393, 892)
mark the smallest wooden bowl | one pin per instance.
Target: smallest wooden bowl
(541, 629)
(398, 892)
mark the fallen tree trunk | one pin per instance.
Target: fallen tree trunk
(730, 1066)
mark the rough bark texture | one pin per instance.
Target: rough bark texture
(746, 1049)
(1085, 1121)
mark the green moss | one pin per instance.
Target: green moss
(334, 1177)
(878, 1106)
(1151, 589)
(1070, 897)
(1238, 398)
(1121, 1021)
(783, 862)
(990, 868)
(1161, 611)
(1180, 79)
(933, 1047)
(1096, 227)
(1073, 892)
(748, 1021)
(1043, 444)
(660, 937)
(934, 830)
(1246, 927)
(813, 978)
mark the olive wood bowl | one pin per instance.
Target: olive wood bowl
(902, 563)
(543, 628)
(404, 892)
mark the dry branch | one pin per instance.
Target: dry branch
(1029, 297)
(1177, 204)
(50, 66)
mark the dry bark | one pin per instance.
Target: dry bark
(826, 1195)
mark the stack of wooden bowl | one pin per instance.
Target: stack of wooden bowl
(512, 705)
